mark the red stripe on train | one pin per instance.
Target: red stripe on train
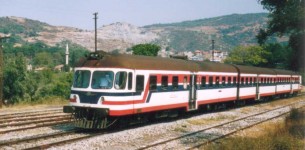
(146, 109)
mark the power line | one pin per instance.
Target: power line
(213, 42)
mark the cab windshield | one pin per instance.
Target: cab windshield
(81, 79)
(102, 80)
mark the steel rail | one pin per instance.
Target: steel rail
(215, 126)
(45, 124)
(27, 139)
(48, 136)
(29, 112)
(235, 131)
(32, 118)
(36, 121)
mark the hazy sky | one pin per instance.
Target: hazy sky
(79, 13)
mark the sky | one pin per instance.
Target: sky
(79, 13)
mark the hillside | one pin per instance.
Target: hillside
(227, 31)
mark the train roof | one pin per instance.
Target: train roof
(136, 62)
(255, 70)
(101, 59)
(284, 72)
(259, 70)
(216, 67)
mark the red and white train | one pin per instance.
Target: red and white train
(110, 87)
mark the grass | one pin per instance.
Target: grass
(210, 120)
(182, 128)
(46, 102)
(286, 135)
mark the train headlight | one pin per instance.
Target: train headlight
(73, 98)
(102, 99)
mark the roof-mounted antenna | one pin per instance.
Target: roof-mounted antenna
(95, 18)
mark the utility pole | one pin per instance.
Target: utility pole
(95, 19)
(213, 42)
(1, 70)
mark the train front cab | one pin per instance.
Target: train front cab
(99, 93)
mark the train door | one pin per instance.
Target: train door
(290, 82)
(257, 97)
(193, 92)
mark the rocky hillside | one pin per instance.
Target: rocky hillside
(110, 37)
(227, 31)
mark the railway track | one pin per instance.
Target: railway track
(47, 140)
(194, 140)
(29, 113)
(11, 122)
(187, 141)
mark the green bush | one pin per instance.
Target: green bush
(285, 136)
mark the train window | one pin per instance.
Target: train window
(217, 81)
(242, 81)
(266, 80)
(175, 83)
(139, 83)
(251, 81)
(210, 81)
(234, 80)
(271, 80)
(129, 80)
(153, 83)
(81, 79)
(185, 82)
(120, 80)
(102, 80)
(203, 81)
(229, 81)
(164, 82)
(223, 81)
(247, 80)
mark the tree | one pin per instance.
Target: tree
(287, 17)
(248, 55)
(43, 59)
(279, 56)
(146, 49)
(14, 75)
